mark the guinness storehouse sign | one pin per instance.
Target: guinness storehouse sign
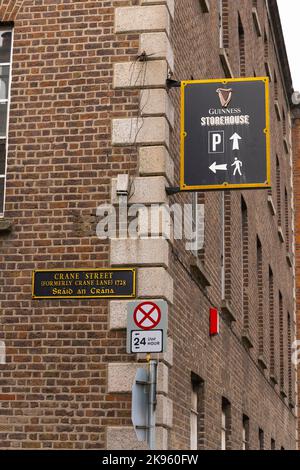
(84, 283)
(225, 134)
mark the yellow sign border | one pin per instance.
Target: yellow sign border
(224, 186)
(53, 297)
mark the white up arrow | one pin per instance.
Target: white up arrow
(214, 167)
(236, 139)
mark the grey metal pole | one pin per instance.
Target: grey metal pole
(152, 403)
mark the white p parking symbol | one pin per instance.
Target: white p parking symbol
(216, 142)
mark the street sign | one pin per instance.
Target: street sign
(142, 341)
(147, 315)
(225, 134)
(112, 283)
(147, 326)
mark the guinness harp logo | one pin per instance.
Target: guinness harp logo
(225, 95)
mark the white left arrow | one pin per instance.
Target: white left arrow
(235, 137)
(214, 167)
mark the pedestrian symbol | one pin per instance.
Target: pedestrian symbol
(237, 164)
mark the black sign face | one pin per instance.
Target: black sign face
(84, 283)
(225, 141)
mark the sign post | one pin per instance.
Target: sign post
(147, 327)
(152, 403)
(225, 134)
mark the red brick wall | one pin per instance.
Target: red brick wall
(296, 146)
(224, 364)
(60, 164)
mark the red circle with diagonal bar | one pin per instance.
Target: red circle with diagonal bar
(147, 315)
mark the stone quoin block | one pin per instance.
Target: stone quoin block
(156, 283)
(117, 314)
(137, 19)
(149, 130)
(162, 378)
(153, 73)
(170, 4)
(161, 438)
(157, 102)
(164, 411)
(121, 376)
(156, 221)
(139, 252)
(151, 190)
(157, 46)
(123, 438)
(156, 161)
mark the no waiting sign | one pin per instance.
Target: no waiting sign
(147, 325)
(147, 315)
(225, 134)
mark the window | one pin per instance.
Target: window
(275, 86)
(273, 444)
(197, 225)
(284, 129)
(226, 246)
(226, 424)
(5, 72)
(261, 437)
(266, 47)
(266, 55)
(194, 418)
(287, 228)
(204, 5)
(259, 276)
(272, 323)
(197, 413)
(283, 122)
(246, 429)
(223, 24)
(278, 190)
(281, 342)
(223, 248)
(242, 49)
(221, 44)
(195, 221)
(256, 21)
(276, 96)
(223, 437)
(245, 263)
(290, 367)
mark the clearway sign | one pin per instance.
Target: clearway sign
(147, 325)
(225, 134)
